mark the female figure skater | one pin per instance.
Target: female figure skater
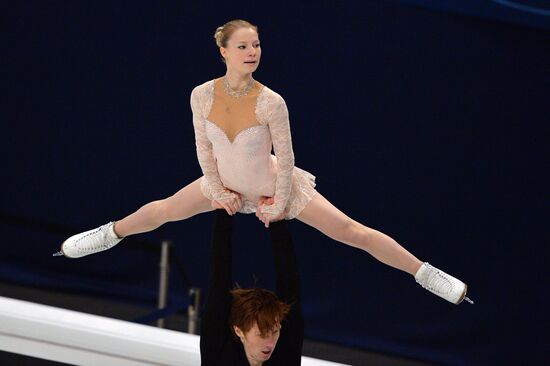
(251, 326)
(237, 120)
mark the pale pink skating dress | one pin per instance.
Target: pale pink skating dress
(245, 164)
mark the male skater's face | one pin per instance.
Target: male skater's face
(257, 346)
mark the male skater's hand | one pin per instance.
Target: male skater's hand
(231, 205)
(266, 218)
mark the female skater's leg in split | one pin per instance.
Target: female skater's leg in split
(187, 202)
(322, 215)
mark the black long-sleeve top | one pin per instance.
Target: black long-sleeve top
(218, 345)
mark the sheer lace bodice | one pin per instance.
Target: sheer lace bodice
(234, 138)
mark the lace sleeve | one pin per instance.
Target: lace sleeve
(279, 127)
(205, 154)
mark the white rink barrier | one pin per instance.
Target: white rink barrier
(83, 339)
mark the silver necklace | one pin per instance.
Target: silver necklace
(237, 93)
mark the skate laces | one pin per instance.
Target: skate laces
(95, 240)
(440, 283)
(436, 281)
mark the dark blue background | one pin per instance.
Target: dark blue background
(429, 126)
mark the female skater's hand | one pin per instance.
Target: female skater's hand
(231, 205)
(265, 217)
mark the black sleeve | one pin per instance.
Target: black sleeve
(287, 282)
(214, 322)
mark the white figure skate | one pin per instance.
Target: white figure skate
(442, 284)
(89, 242)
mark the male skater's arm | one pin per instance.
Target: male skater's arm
(214, 323)
(287, 283)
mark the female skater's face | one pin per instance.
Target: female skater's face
(259, 347)
(242, 54)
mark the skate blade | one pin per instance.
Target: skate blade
(468, 300)
(58, 254)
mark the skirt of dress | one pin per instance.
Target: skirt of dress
(302, 191)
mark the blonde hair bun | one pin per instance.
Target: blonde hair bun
(224, 32)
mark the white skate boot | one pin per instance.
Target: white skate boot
(440, 283)
(90, 242)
